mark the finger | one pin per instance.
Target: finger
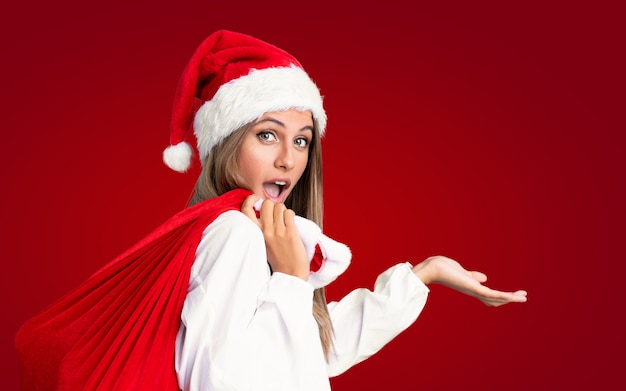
(267, 211)
(517, 295)
(279, 215)
(247, 207)
(290, 218)
(499, 298)
(478, 276)
(520, 294)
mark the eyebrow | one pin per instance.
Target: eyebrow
(277, 122)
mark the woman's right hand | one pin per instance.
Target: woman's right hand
(285, 250)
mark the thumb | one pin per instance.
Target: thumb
(247, 208)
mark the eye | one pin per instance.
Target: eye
(266, 136)
(301, 142)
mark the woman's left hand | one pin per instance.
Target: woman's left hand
(448, 272)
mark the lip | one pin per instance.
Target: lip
(283, 193)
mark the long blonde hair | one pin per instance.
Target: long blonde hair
(220, 174)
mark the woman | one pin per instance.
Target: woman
(249, 326)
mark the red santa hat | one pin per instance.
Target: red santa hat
(232, 79)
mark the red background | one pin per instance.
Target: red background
(487, 132)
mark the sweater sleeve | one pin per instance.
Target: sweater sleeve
(364, 321)
(243, 328)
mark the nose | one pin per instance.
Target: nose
(284, 159)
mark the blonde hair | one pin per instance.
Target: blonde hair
(220, 174)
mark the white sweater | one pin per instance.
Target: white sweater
(243, 328)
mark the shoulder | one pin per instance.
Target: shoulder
(232, 222)
(231, 228)
(231, 243)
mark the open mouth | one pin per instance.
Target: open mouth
(274, 189)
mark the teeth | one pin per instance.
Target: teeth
(280, 183)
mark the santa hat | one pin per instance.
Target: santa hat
(232, 79)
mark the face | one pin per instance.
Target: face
(275, 152)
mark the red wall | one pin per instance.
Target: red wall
(490, 133)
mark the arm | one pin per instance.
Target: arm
(242, 327)
(365, 321)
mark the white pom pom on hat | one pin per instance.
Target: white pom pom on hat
(232, 79)
(178, 157)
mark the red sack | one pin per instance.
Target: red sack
(117, 331)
